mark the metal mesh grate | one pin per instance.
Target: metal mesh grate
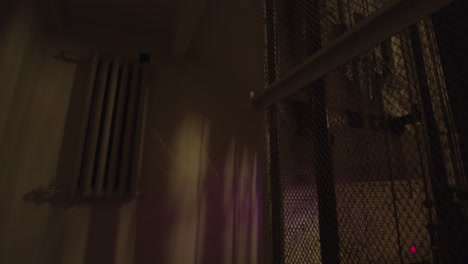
(295, 20)
(367, 164)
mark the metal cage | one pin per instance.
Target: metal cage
(366, 131)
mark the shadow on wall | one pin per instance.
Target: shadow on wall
(201, 197)
(111, 234)
(86, 231)
(58, 229)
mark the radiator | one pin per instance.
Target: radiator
(102, 143)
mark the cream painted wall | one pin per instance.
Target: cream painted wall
(200, 186)
(32, 116)
(35, 105)
(204, 147)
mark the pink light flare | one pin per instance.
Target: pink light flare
(412, 249)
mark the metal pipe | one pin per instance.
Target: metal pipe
(449, 218)
(419, 143)
(118, 129)
(140, 129)
(108, 114)
(74, 136)
(325, 180)
(274, 174)
(92, 139)
(390, 19)
(129, 131)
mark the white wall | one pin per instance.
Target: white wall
(31, 121)
(36, 103)
(200, 198)
(203, 158)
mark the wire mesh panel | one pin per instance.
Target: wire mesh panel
(367, 164)
(294, 21)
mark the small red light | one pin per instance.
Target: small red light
(412, 249)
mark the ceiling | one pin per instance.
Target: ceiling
(156, 16)
(229, 41)
(220, 36)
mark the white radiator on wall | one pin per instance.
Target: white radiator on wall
(104, 132)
